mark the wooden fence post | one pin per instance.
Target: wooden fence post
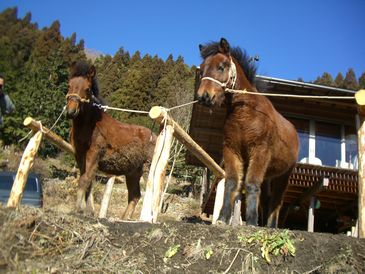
(156, 176)
(361, 163)
(106, 197)
(218, 203)
(25, 165)
(310, 225)
(205, 186)
(159, 114)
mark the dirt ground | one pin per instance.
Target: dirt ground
(56, 240)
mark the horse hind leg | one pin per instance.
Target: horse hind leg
(134, 193)
(90, 206)
(278, 188)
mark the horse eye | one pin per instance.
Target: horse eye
(221, 68)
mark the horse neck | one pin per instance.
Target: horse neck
(85, 122)
(242, 83)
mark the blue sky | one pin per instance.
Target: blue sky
(293, 38)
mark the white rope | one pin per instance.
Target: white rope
(58, 118)
(105, 108)
(25, 137)
(182, 105)
(41, 126)
(289, 95)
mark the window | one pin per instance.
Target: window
(351, 146)
(302, 127)
(328, 143)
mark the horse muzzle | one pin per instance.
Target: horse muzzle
(205, 99)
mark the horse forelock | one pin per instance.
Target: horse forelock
(241, 56)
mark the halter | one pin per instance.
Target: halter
(76, 97)
(232, 77)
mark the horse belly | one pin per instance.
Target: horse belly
(124, 160)
(282, 160)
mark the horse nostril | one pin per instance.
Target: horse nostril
(206, 97)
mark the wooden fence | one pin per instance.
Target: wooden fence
(154, 187)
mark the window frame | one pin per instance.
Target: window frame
(312, 137)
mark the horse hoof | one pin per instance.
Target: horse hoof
(89, 212)
(221, 223)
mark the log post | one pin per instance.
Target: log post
(156, 176)
(49, 135)
(158, 114)
(218, 203)
(205, 186)
(106, 197)
(25, 165)
(310, 227)
(361, 182)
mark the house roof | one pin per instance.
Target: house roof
(305, 86)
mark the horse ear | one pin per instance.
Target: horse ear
(224, 46)
(91, 73)
(201, 47)
(72, 67)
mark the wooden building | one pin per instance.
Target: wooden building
(325, 178)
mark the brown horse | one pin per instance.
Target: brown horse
(101, 142)
(260, 146)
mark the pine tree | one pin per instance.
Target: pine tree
(339, 80)
(35, 65)
(325, 80)
(111, 71)
(362, 81)
(350, 81)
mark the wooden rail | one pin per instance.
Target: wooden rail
(49, 135)
(159, 113)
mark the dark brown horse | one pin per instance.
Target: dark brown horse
(260, 146)
(102, 142)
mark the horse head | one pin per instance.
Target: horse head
(81, 88)
(218, 73)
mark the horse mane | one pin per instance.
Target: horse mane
(249, 68)
(81, 69)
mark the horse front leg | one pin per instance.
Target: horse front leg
(255, 175)
(84, 192)
(233, 185)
